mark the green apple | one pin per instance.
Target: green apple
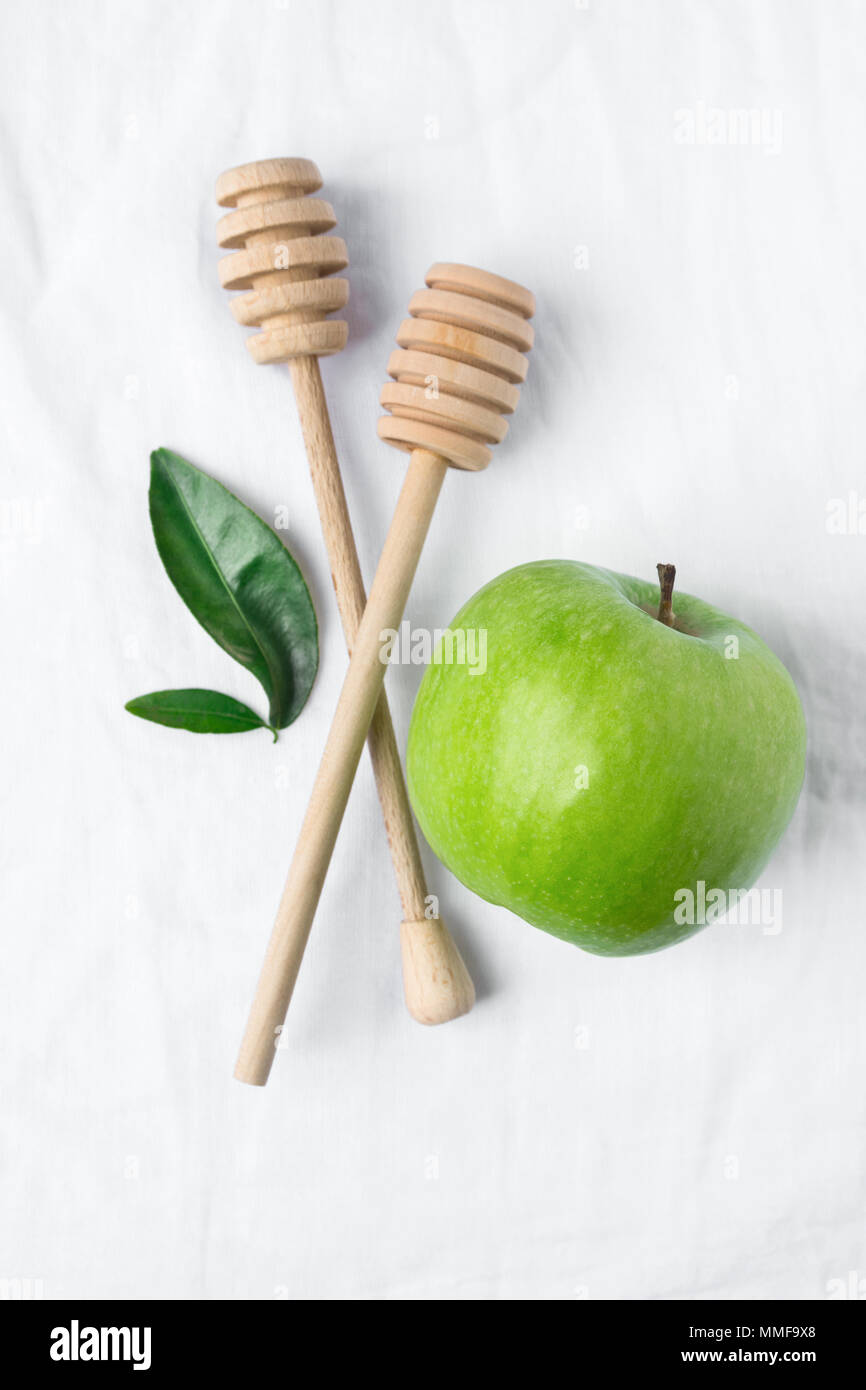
(609, 757)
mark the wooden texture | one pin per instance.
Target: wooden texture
(282, 255)
(433, 972)
(358, 698)
(461, 365)
(443, 418)
(295, 308)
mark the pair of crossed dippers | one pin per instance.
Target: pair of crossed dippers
(456, 375)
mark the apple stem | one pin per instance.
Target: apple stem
(667, 575)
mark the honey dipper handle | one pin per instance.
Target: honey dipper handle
(361, 689)
(437, 984)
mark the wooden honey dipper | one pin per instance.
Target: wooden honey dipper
(457, 374)
(284, 260)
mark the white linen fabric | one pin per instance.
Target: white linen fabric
(681, 185)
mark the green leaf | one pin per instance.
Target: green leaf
(200, 711)
(237, 578)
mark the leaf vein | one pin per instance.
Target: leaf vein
(275, 684)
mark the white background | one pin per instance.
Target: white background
(690, 1124)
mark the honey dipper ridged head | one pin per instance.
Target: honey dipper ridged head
(460, 365)
(283, 257)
